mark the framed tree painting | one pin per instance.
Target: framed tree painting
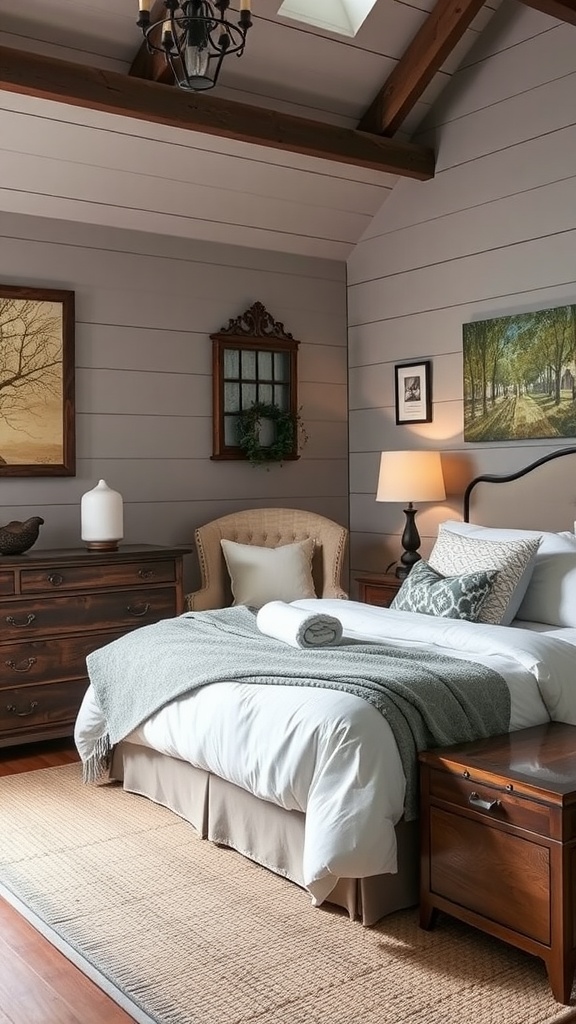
(520, 376)
(37, 412)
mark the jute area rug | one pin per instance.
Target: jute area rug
(179, 931)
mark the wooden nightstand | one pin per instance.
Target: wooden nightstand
(498, 842)
(379, 590)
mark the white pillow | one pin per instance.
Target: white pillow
(454, 554)
(259, 575)
(495, 534)
(551, 594)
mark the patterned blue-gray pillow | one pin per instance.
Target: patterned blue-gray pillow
(451, 597)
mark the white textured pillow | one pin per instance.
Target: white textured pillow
(551, 594)
(259, 575)
(495, 534)
(455, 554)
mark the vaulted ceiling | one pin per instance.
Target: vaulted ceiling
(300, 143)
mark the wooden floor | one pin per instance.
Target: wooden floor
(38, 985)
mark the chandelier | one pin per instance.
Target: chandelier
(195, 36)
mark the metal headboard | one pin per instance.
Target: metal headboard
(495, 479)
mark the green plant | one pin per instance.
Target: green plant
(285, 428)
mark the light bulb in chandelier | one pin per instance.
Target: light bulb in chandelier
(195, 36)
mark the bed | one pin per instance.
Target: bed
(309, 781)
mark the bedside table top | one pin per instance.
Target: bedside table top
(542, 757)
(380, 579)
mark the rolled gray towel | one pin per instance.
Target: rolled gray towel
(298, 627)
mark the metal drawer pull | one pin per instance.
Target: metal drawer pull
(55, 579)
(484, 805)
(22, 714)
(24, 666)
(146, 574)
(134, 611)
(12, 621)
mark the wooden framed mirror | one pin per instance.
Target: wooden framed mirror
(255, 374)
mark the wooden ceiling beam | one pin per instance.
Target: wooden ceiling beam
(430, 47)
(152, 66)
(563, 10)
(96, 89)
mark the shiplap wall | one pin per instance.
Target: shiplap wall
(493, 234)
(145, 307)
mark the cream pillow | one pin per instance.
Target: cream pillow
(454, 554)
(259, 575)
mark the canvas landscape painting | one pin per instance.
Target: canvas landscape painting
(520, 376)
(36, 382)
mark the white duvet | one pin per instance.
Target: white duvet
(330, 754)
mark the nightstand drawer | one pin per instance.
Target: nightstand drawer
(124, 574)
(468, 857)
(379, 591)
(490, 802)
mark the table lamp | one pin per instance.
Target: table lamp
(410, 476)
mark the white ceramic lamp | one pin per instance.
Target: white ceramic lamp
(408, 477)
(102, 518)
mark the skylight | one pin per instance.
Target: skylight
(345, 17)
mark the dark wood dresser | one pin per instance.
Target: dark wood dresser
(498, 842)
(56, 607)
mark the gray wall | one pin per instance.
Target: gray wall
(493, 234)
(145, 307)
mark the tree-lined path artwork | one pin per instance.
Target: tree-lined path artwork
(520, 376)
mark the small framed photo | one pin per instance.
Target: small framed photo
(413, 392)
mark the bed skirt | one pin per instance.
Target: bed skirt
(262, 831)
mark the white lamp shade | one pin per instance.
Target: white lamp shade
(410, 476)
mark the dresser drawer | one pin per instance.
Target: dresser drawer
(123, 574)
(125, 608)
(6, 582)
(35, 661)
(503, 806)
(26, 707)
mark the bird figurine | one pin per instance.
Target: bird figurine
(15, 537)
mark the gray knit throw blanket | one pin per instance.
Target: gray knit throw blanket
(429, 699)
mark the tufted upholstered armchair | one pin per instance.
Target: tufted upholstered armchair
(267, 527)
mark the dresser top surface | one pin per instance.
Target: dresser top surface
(543, 757)
(67, 556)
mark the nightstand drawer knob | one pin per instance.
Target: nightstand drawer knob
(483, 805)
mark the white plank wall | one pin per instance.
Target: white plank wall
(493, 234)
(145, 307)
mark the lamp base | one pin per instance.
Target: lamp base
(102, 545)
(410, 543)
(403, 570)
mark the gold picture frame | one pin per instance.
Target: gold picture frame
(37, 410)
